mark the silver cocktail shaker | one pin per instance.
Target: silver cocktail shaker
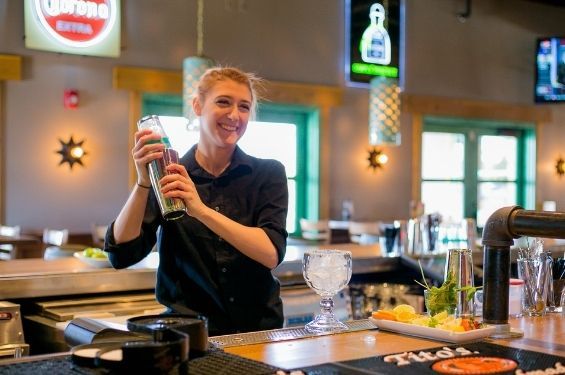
(171, 208)
(459, 263)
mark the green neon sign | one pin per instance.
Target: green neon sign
(374, 70)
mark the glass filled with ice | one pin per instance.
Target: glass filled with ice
(326, 272)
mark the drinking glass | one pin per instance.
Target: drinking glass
(534, 273)
(326, 272)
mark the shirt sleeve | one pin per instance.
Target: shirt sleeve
(273, 206)
(129, 253)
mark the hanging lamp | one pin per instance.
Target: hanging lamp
(193, 67)
(384, 118)
(384, 112)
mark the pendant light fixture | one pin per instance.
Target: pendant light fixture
(193, 67)
(384, 112)
(384, 117)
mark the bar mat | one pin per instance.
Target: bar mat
(291, 333)
(216, 362)
(476, 358)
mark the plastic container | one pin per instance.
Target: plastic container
(515, 297)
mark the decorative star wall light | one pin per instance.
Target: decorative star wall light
(377, 159)
(71, 152)
(560, 166)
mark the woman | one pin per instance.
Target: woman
(216, 260)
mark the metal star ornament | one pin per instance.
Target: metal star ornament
(377, 159)
(560, 166)
(71, 152)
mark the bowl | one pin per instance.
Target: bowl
(94, 262)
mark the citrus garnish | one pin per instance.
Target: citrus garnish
(405, 316)
(384, 314)
(404, 308)
(440, 317)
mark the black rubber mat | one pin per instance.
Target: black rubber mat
(216, 362)
(526, 360)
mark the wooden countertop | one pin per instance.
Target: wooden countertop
(546, 334)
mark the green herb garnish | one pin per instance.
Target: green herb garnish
(444, 298)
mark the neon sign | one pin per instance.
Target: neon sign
(372, 35)
(89, 27)
(77, 23)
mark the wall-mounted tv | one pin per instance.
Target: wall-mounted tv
(550, 70)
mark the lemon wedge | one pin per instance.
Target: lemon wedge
(404, 309)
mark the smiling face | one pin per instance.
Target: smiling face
(224, 113)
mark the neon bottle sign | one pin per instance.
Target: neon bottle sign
(77, 23)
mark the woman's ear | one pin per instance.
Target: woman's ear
(196, 106)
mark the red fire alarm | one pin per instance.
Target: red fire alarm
(70, 99)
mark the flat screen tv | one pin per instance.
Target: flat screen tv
(550, 70)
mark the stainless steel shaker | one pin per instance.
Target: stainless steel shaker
(171, 208)
(459, 262)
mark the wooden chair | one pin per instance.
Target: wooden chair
(364, 232)
(6, 250)
(315, 230)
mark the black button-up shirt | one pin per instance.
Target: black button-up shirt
(201, 271)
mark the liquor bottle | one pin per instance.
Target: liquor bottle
(375, 42)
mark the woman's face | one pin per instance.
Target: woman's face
(224, 113)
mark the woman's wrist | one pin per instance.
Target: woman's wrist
(142, 185)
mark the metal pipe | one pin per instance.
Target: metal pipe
(500, 230)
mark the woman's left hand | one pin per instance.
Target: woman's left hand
(178, 184)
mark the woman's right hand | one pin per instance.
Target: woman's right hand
(145, 151)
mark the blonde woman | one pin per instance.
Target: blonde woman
(217, 259)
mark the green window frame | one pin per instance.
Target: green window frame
(472, 130)
(306, 119)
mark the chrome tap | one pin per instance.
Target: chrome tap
(499, 232)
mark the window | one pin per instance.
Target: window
(285, 133)
(472, 168)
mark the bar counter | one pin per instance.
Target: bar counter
(36, 277)
(541, 334)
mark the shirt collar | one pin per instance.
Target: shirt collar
(240, 162)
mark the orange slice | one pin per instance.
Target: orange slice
(384, 314)
(405, 316)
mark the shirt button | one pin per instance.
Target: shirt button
(224, 270)
(231, 299)
(220, 239)
(217, 208)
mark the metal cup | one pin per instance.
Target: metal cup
(171, 208)
(459, 262)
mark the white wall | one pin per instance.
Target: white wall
(490, 57)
